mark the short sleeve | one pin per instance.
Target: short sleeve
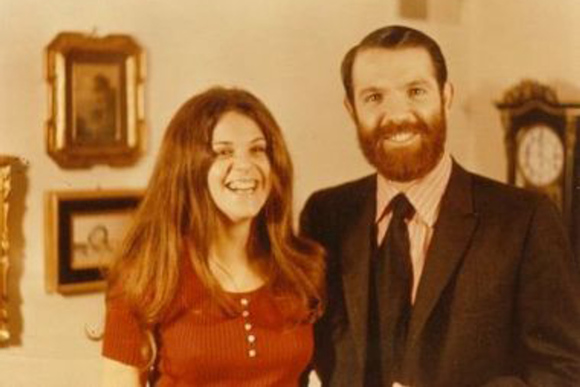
(124, 340)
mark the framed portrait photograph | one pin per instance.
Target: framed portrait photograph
(83, 232)
(96, 113)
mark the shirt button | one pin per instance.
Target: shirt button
(252, 353)
(251, 339)
(245, 313)
(248, 326)
(244, 301)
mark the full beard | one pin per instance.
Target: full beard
(408, 163)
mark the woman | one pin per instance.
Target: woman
(212, 286)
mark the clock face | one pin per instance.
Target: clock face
(540, 155)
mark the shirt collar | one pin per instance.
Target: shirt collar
(424, 194)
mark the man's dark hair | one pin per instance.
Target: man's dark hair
(394, 37)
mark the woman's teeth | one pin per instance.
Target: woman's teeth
(242, 186)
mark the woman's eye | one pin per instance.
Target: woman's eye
(222, 152)
(258, 149)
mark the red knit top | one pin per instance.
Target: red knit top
(198, 345)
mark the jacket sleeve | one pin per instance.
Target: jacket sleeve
(547, 306)
(307, 217)
(308, 228)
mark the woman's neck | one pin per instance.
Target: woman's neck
(229, 261)
(231, 242)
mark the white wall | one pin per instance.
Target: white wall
(287, 52)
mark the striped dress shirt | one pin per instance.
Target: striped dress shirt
(425, 195)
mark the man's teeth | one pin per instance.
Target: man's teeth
(401, 136)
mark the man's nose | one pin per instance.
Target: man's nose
(396, 109)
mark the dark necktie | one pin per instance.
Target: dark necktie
(393, 283)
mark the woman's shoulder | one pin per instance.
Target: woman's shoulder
(190, 290)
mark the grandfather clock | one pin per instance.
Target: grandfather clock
(541, 138)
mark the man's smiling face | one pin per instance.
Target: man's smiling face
(399, 110)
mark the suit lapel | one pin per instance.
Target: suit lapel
(356, 251)
(453, 232)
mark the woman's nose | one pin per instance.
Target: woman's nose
(242, 160)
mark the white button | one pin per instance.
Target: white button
(244, 301)
(251, 338)
(248, 326)
(252, 353)
(245, 313)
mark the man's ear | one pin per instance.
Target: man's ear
(349, 107)
(448, 92)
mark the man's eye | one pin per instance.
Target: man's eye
(374, 97)
(417, 92)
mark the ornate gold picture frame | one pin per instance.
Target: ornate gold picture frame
(5, 182)
(96, 109)
(83, 231)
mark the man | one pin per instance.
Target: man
(461, 281)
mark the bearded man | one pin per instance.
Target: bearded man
(436, 276)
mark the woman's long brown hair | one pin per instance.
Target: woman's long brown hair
(177, 217)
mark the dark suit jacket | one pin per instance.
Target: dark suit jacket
(498, 301)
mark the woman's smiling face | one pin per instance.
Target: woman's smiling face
(239, 178)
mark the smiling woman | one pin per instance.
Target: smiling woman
(239, 179)
(211, 272)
